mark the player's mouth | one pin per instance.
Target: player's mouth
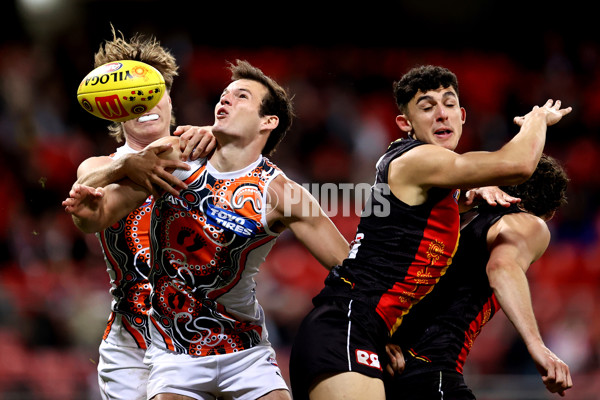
(221, 112)
(443, 132)
(148, 117)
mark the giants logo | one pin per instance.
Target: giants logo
(110, 107)
(368, 358)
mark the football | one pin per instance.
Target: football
(121, 90)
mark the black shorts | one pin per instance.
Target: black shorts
(435, 385)
(339, 335)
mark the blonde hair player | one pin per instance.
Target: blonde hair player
(125, 245)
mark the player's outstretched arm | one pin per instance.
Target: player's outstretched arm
(295, 208)
(148, 168)
(516, 241)
(434, 166)
(95, 209)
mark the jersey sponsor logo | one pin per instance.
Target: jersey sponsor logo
(355, 244)
(456, 195)
(231, 221)
(368, 358)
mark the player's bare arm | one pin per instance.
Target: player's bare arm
(426, 166)
(295, 208)
(146, 168)
(95, 209)
(516, 241)
(118, 199)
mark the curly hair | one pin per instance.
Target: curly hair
(139, 48)
(545, 191)
(423, 78)
(276, 102)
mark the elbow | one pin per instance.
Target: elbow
(495, 272)
(87, 226)
(525, 169)
(518, 172)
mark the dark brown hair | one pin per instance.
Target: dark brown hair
(276, 101)
(545, 191)
(423, 78)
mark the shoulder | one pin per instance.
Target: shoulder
(284, 186)
(521, 230)
(288, 199)
(423, 154)
(524, 222)
(166, 142)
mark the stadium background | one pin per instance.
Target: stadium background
(339, 61)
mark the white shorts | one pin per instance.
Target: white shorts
(122, 374)
(245, 375)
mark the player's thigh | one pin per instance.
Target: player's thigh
(122, 374)
(348, 386)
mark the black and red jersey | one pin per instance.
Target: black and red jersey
(400, 251)
(439, 332)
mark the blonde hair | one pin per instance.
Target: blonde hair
(142, 48)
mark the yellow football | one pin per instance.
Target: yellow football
(121, 90)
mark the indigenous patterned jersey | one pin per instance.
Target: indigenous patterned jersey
(207, 245)
(400, 251)
(439, 332)
(126, 249)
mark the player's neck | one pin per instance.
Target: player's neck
(229, 157)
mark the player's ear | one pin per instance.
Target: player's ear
(269, 122)
(404, 123)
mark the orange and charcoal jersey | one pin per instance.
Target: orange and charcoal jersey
(207, 245)
(400, 251)
(126, 249)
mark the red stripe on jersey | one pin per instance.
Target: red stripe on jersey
(486, 313)
(109, 324)
(436, 249)
(166, 338)
(139, 339)
(195, 175)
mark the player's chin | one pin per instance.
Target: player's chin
(447, 143)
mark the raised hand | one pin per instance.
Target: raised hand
(552, 110)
